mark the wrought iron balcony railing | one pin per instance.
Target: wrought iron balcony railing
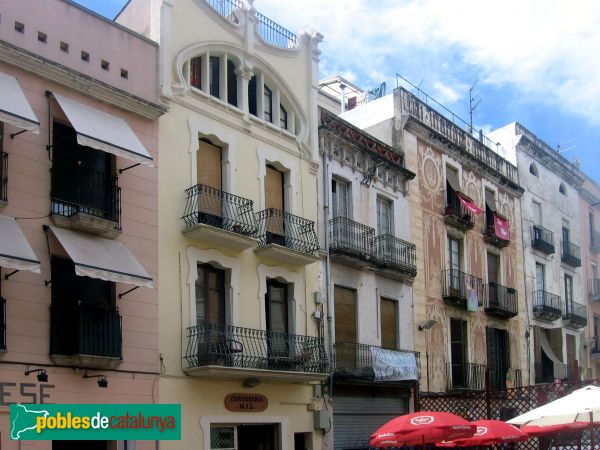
(501, 379)
(356, 360)
(595, 241)
(210, 206)
(2, 323)
(546, 306)
(457, 286)
(594, 289)
(571, 254)
(85, 330)
(287, 230)
(227, 8)
(501, 300)
(542, 239)
(574, 314)
(3, 176)
(274, 34)
(351, 238)
(466, 376)
(210, 344)
(394, 253)
(87, 191)
(549, 372)
(455, 213)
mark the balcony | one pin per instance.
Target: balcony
(502, 379)
(548, 372)
(85, 336)
(465, 377)
(595, 241)
(225, 351)
(286, 238)
(395, 258)
(574, 315)
(501, 301)
(3, 178)
(594, 289)
(354, 360)
(571, 254)
(351, 243)
(542, 239)
(546, 306)
(220, 218)
(455, 214)
(87, 200)
(457, 286)
(493, 234)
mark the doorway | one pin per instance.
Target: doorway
(258, 437)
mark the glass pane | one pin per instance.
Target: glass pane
(222, 438)
(539, 277)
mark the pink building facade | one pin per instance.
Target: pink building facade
(78, 212)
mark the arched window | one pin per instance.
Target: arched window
(562, 189)
(533, 169)
(211, 79)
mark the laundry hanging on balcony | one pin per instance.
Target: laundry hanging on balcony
(472, 298)
(469, 204)
(14, 107)
(393, 365)
(501, 227)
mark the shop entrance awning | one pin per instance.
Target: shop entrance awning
(96, 257)
(15, 251)
(14, 107)
(103, 131)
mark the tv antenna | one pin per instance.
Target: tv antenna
(474, 102)
(562, 148)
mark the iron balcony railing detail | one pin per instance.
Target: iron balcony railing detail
(456, 212)
(571, 254)
(594, 288)
(546, 305)
(210, 206)
(274, 34)
(457, 286)
(350, 237)
(574, 314)
(227, 8)
(354, 359)
(285, 229)
(467, 376)
(393, 252)
(501, 300)
(85, 330)
(595, 241)
(211, 344)
(549, 372)
(88, 191)
(504, 378)
(3, 176)
(2, 323)
(542, 239)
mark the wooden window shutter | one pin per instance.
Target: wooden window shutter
(389, 317)
(208, 165)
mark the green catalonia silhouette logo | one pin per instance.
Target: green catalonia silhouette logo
(95, 422)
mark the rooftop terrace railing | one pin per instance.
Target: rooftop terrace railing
(275, 34)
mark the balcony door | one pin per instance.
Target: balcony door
(459, 352)
(340, 198)
(540, 279)
(568, 293)
(385, 216)
(345, 327)
(276, 308)
(274, 199)
(210, 295)
(454, 257)
(389, 319)
(493, 266)
(209, 180)
(498, 356)
(566, 238)
(571, 356)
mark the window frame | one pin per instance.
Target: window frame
(267, 104)
(389, 206)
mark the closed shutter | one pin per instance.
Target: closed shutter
(356, 418)
(274, 199)
(389, 318)
(208, 165)
(345, 327)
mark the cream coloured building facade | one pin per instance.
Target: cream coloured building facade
(241, 330)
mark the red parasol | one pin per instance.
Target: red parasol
(541, 430)
(489, 432)
(424, 427)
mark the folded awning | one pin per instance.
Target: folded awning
(15, 251)
(14, 107)
(96, 257)
(103, 131)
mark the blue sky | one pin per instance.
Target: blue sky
(537, 62)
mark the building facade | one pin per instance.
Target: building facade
(241, 329)
(78, 231)
(469, 315)
(368, 278)
(552, 239)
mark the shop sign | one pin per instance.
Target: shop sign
(246, 402)
(16, 392)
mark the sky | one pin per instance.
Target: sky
(536, 62)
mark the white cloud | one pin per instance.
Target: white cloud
(547, 49)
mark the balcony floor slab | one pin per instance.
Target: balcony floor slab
(219, 236)
(240, 373)
(286, 255)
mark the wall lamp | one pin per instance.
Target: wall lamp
(427, 324)
(102, 380)
(42, 375)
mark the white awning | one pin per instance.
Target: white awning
(103, 131)
(96, 257)
(15, 251)
(14, 107)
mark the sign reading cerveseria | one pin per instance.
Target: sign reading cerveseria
(246, 402)
(392, 365)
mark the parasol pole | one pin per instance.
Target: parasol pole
(592, 430)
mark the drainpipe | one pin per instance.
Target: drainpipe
(527, 319)
(343, 97)
(327, 262)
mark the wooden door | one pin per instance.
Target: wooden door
(274, 202)
(345, 327)
(389, 319)
(209, 179)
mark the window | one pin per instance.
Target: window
(384, 216)
(498, 356)
(210, 295)
(454, 262)
(283, 117)
(452, 184)
(568, 291)
(533, 170)
(458, 352)
(566, 237)
(252, 99)
(540, 279)
(214, 72)
(196, 72)
(388, 312)
(493, 266)
(340, 198)
(268, 104)
(222, 438)
(490, 208)
(277, 320)
(231, 84)
(536, 209)
(562, 189)
(596, 331)
(590, 219)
